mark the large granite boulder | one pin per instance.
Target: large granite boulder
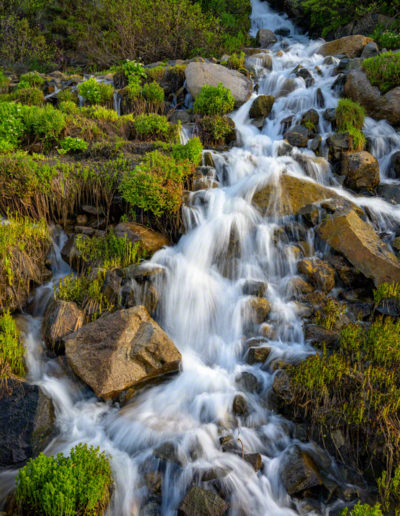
(348, 234)
(199, 74)
(378, 106)
(351, 46)
(122, 350)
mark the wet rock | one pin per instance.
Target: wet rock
(266, 38)
(306, 75)
(348, 234)
(394, 170)
(310, 214)
(380, 107)
(281, 386)
(258, 355)
(389, 306)
(26, 422)
(255, 460)
(295, 193)
(82, 220)
(351, 46)
(318, 272)
(208, 159)
(112, 287)
(262, 59)
(151, 240)
(310, 116)
(315, 144)
(361, 170)
(60, 319)
(70, 252)
(299, 472)
(318, 335)
(248, 382)
(338, 143)
(261, 106)
(283, 31)
(320, 98)
(201, 502)
(257, 310)
(288, 86)
(390, 192)
(255, 288)
(121, 350)
(239, 405)
(167, 452)
(330, 115)
(199, 74)
(348, 274)
(370, 50)
(298, 286)
(297, 136)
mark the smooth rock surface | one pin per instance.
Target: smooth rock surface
(351, 46)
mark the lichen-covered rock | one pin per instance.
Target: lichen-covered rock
(318, 272)
(351, 46)
(361, 170)
(120, 351)
(150, 240)
(261, 106)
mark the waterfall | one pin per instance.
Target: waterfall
(204, 309)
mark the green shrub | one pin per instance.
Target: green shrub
(68, 107)
(44, 122)
(154, 127)
(11, 348)
(329, 315)
(387, 291)
(214, 100)
(236, 61)
(100, 113)
(96, 92)
(31, 96)
(383, 70)
(4, 82)
(156, 73)
(389, 490)
(67, 96)
(76, 485)
(155, 185)
(30, 80)
(357, 139)
(349, 113)
(363, 510)
(216, 130)
(386, 37)
(72, 145)
(191, 151)
(12, 126)
(134, 71)
(153, 92)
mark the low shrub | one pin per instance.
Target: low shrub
(236, 61)
(154, 127)
(68, 107)
(329, 315)
(214, 100)
(155, 185)
(76, 485)
(357, 139)
(387, 291)
(156, 73)
(72, 145)
(67, 95)
(383, 70)
(30, 80)
(153, 92)
(11, 348)
(12, 126)
(100, 113)
(95, 92)
(363, 510)
(387, 37)
(134, 71)
(44, 123)
(191, 151)
(4, 82)
(31, 96)
(216, 130)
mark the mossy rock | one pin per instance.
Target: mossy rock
(262, 106)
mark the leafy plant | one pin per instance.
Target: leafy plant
(214, 100)
(68, 107)
(154, 127)
(31, 96)
(95, 92)
(153, 92)
(236, 61)
(12, 126)
(100, 113)
(386, 37)
(11, 348)
(383, 70)
(134, 71)
(44, 122)
(30, 80)
(67, 486)
(191, 151)
(216, 130)
(363, 510)
(72, 145)
(349, 113)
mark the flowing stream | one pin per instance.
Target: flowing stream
(203, 308)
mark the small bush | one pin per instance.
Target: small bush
(67, 96)
(96, 92)
(329, 316)
(31, 96)
(11, 348)
(217, 130)
(100, 113)
(236, 61)
(214, 100)
(71, 145)
(388, 38)
(154, 127)
(156, 185)
(156, 73)
(387, 291)
(191, 151)
(363, 510)
(134, 71)
(30, 80)
(153, 92)
(383, 71)
(12, 126)
(4, 82)
(68, 107)
(76, 485)
(44, 122)
(134, 91)
(349, 113)
(357, 139)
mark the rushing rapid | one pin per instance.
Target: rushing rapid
(205, 310)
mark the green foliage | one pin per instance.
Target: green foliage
(4, 82)
(11, 124)
(134, 90)
(389, 490)
(31, 96)
(363, 510)
(214, 100)
(68, 107)
(389, 39)
(153, 92)
(109, 252)
(154, 127)
(358, 140)
(96, 92)
(216, 130)
(191, 151)
(100, 113)
(330, 314)
(134, 71)
(30, 80)
(11, 348)
(155, 185)
(349, 113)
(156, 73)
(383, 70)
(67, 486)
(236, 61)
(67, 96)
(387, 291)
(71, 145)
(44, 122)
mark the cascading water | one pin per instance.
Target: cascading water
(204, 309)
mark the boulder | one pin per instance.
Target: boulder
(348, 234)
(318, 335)
(199, 74)
(257, 288)
(394, 169)
(60, 319)
(297, 136)
(121, 350)
(294, 193)
(380, 107)
(258, 355)
(151, 240)
(351, 46)
(202, 502)
(239, 405)
(261, 59)
(311, 116)
(26, 422)
(318, 272)
(248, 382)
(338, 143)
(370, 50)
(261, 106)
(361, 170)
(266, 38)
(256, 310)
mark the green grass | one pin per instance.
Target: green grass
(65, 486)
(214, 100)
(350, 117)
(71, 145)
(383, 70)
(387, 291)
(11, 348)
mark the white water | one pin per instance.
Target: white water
(204, 310)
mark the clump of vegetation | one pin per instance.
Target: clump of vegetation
(12, 126)
(151, 126)
(95, 92)
(30, 80)
(329, 315)
(72, 145)
(214, 100)
(23, 248)
(44, 123)
(383, 70)
(67, 95)
(236, 61)
(11, 349)
(387, 37)
(153, 92)
(216, 130)
(155, 185)
(191, 151)
(363, 510)
(387, 291)
(31, 96)
(76, 485)
(68, 107)
(350, 117)
(4, 82)
(156, 73)
(100, 113)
